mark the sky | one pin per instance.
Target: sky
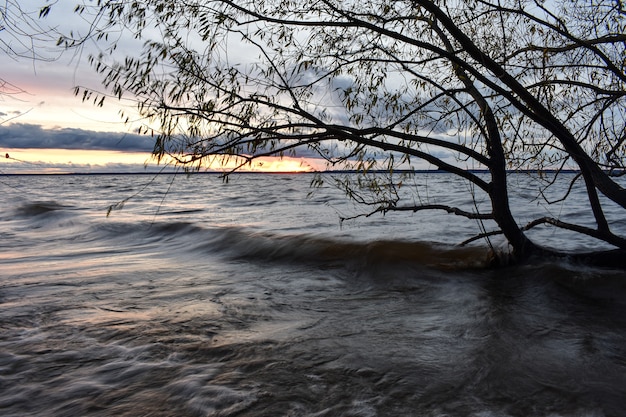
(45, 128)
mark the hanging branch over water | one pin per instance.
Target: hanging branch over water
(596, 233)
(414, 209)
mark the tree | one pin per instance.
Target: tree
(379, 84)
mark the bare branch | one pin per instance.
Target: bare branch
(481, 236)
(603, 235)
(385, 208)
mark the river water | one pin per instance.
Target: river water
(251, 298)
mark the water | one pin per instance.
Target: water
(204, 298)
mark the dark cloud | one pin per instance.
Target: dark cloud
(10, 113)
(21, 135)
(29, 136)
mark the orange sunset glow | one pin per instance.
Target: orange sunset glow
(73, 160)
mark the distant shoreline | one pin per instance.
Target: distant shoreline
(416, 171)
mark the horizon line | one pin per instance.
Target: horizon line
(347, 171)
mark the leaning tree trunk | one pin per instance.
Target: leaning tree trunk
(498, 190)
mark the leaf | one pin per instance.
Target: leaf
(44, 11)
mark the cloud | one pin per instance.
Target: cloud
(11, 113)
(21, 135)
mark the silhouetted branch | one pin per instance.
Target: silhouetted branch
(605, 236)
(449, 209)
(481, 236)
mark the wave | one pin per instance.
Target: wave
(181, 238)
(38, 208)
(239, 242)
(243, 243)
(390, 260)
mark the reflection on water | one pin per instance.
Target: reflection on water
(142, 315)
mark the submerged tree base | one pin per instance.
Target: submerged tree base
(613, 258)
